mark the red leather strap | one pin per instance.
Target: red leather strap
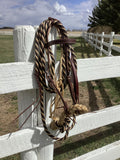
(75, 81)
(60, 41)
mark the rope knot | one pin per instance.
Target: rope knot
(61, 119)
(78, 109)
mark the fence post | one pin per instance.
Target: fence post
(91, 39)
(96, 41)
(23, 47)
(111, 44)
(84, 35)
(101, 44)
(88, 37)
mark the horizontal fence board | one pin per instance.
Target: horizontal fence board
(108, 152)
(98, 68)
(91, 121)
(16, 76)
(21, 141)
(99, 35)
(98, 47)
(98, 41)
(105, 52)
(106, 44)
(19, 76)
(27, 139)
(117, 37)
(116, 48)
(107, 35)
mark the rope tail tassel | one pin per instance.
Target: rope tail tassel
(64, 117)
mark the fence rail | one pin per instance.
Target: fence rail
(102, 42)
(19, 76)
(32, 142)
(32, 138)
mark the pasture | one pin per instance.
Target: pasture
(94, 94)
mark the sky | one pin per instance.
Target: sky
(72, 13)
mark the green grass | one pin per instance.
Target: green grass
(81, 49)
(110, 93)
(113, 86)
(14, 157)
(6, 49)
(116, 42)
(70, 149)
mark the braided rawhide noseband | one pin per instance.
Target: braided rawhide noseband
(46, 78)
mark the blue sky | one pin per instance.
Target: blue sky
(72, 13)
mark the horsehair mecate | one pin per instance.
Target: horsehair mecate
(68, 69)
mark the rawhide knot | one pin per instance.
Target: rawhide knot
(60, 120)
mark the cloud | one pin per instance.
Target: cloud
(21, 12)
(80, 13)
(31, 14)
(1, 16)
(84, 6)
(61, 9)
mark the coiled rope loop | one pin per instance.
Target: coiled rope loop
(46, 78)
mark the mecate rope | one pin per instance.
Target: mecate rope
(67, 76)
(63, 117)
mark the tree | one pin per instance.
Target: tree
(106, 13)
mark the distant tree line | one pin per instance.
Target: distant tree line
(106, 13)
(6, 28)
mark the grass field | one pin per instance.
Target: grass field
(94, 94)
(6, 49)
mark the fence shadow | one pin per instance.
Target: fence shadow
(82, 48)
(105, 96)
(87, 52)
(116, 83)
(83, 141)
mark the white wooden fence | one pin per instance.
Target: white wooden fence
(32, 142)
(98, 41)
